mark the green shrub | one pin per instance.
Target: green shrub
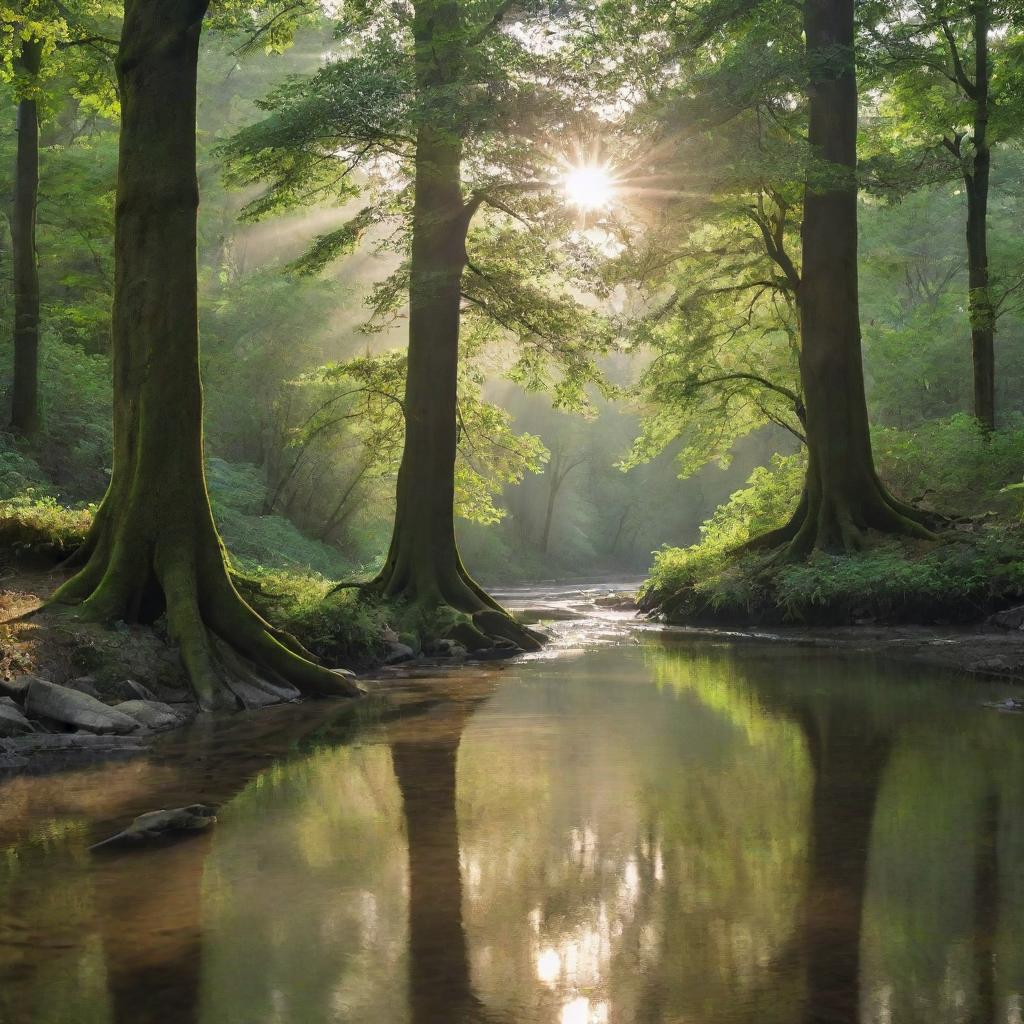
(35, 523)
(711, 567)
(951, 465)
(340, 627)
(971, 571)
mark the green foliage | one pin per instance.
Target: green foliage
(972, 571)
(958, 580)
(952, 464)
(36, 524)
(339, 627)
(710, 570)
(237, 492)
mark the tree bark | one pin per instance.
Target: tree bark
(976, 185)
(844, 497)
(153, 547)
(423, 565)
(25, 391)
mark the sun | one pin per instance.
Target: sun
(589, 186)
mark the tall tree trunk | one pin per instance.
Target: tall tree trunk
(153, 546)
(25, 392)
(976, 182)
(844, 496)
(423, 565)
(559, 471)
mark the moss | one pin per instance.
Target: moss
(961, 579)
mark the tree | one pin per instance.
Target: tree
(444, 113)
(843, 497)
(24, 408)
(41, 28)
(953, 92)
(563, 461)
(153, 548)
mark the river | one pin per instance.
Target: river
(633, 826)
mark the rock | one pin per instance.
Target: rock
(153, 714)
(397, 653)
(998, 664)
(85, 684)
(163, 825)
(12, 721)
(76, 741)
(114, 690)
(445, 648)
(79, 710)
(1007, 704)
(1010, 618)
(621, 602)
(500, 649)
(15, 688)
(389, 636)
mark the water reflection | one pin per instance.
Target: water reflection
(424, 761)
(632, 836)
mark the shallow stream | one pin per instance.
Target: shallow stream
(631, 827)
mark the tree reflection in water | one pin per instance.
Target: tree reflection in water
(634, 836)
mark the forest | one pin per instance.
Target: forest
(507, 292)
(616, 407)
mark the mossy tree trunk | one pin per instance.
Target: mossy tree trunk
(844, 497)
(153, 547)
(25, 390)
(423, 565)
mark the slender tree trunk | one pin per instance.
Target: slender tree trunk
(153, 547)
(549, 511)
(423, 563)
(557, 479)
(342, 509)
(976, 182)
(25, 392)
(844, 496)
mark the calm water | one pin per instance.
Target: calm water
(615, 832)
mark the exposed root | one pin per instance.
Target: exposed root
(231, 656)
(842, 526)
(481, 623)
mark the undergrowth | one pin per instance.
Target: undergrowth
(975, 568)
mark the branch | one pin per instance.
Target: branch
(958, 68)
(779, 389)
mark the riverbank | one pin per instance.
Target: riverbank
(74, 692)
(983, 651)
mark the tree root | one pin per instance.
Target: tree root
(231, 656)
(480, 624)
